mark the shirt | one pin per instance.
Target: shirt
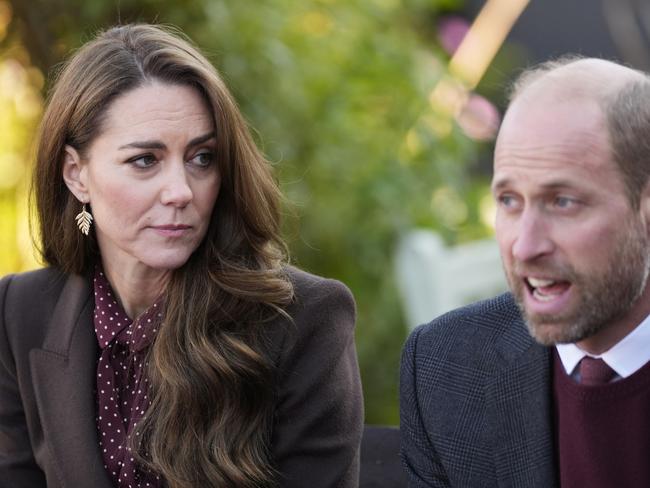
(625, 357)
(122, 387)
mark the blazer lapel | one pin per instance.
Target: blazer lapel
(520, 410)
(63, 373)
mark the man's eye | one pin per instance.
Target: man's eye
(203, 159)
(143, 161)
(506, 201)
(564, 202)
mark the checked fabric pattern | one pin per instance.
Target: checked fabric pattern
(475, 401)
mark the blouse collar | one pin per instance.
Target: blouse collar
(113, 324)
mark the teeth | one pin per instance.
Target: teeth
(543, 298)
(536, 283)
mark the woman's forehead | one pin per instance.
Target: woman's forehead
(155, 109)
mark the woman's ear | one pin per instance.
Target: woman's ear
(74, 174)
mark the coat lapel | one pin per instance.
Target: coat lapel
(63, 373)
(520, 409)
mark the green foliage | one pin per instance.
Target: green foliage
(338, 93)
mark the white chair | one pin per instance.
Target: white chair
(433, 279)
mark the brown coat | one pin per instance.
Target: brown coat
(48, 354)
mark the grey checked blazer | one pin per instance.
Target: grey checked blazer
(476, 404)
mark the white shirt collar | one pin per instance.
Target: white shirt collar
(625, 357)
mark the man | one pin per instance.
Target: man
(549, 385)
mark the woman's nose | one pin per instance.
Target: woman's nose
(176, 189)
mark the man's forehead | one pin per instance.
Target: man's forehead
(557, 123)
(547, 125)
(554, 100)
(548, 138)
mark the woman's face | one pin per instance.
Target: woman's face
(150, 177)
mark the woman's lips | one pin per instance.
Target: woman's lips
(171, 230)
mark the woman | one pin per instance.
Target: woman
(168, 343)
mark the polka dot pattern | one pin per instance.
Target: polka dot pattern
(122, 387)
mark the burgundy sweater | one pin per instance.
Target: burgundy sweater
(603, 432)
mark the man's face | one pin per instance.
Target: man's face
(573, 249)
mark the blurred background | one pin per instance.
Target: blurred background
(378, 115)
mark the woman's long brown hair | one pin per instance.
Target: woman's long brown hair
(212, 391)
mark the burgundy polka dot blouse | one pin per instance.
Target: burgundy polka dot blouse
(122, 388)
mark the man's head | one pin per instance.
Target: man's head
(571, 169)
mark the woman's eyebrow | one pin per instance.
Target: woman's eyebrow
(144, 145)
(201, 139)
(160, 145)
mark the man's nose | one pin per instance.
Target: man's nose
(532, 239)
(176, 188)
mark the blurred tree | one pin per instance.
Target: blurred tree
(338, 92)
(20, 108)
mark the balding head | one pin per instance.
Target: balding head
(574, 77)
(622, 95)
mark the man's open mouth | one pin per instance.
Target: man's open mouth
(545, 289)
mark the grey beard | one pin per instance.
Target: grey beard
(603, 300)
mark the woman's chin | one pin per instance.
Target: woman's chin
(166, 260)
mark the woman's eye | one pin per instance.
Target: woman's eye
(143, 161)
(203, 159)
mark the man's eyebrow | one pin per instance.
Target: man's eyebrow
(159, 145)
(558, 184)
(499, 184)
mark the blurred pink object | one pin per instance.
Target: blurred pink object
(479, 118)
(451, 31)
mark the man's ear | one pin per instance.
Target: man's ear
(74, 174)
(644, 206)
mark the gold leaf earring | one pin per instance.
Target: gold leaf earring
(84, 219)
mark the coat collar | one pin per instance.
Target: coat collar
(520, 411)
(63, 374)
